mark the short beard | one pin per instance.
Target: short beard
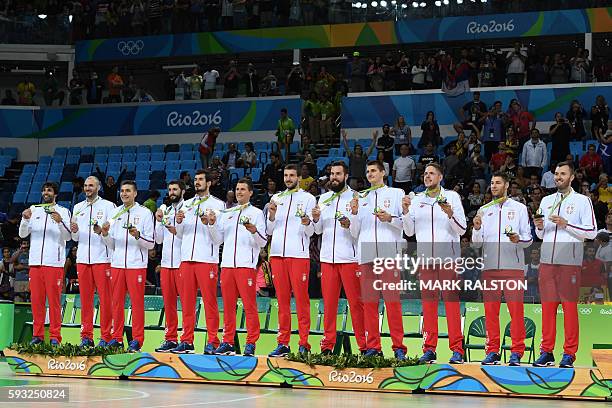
(202, 191)
(337, 188)
(291, 187)
(47, 199)
(174, 199)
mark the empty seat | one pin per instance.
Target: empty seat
(129, 166)
(23, 187)
(129, 156)
(172, 156)
(54, 177)
(101, 150)
(85, 167)
(157, 149)
(89, 150)
(74, 151)
(143, 157)
(184, 155)
(142, 166)
(129, 149)
(28, 169)
(173, 165)
(72, 159)
(143, 184)
(143, 149)
(188, 165)
(20, 197)
(114, 158)
(66, 187)
(157, 165)
(159, 156)
(101, 158)
(40, 177)
(60, 151)
(11, 152)
(45, 160)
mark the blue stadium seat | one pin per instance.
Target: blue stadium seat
(54, 177)
(85, 168)
(142, 184)
(142, 175)
(261, 146)
(60, 151)
(157, 165)
(157, 148)
(23, 187)
(576, 148)
(26, 178)
(40, 177)
(129, 149)
(11, 152)
(20, 197)
(101, 150)
(237, 172)
(255, 174)
(129, 157)
(172, 156)
(172, 174)
(65, 204)
(159, 156)
(74, 151)
(142, 166)
(101, 158)
(322, 162)
(28, 169)
(240, 146)
(73, 159)
(143, 149)
(45, 160)
(87, 150)
(189, 165)
(186, 148)
(129, 166)
(102, 166)
(173, 165)
(143, 157)
(5, 160)
(66, 187)
(295, 146)
(34, 196)
(184, 155)
(2, 170)
(114, 167)
(333, 152)
(114, 158)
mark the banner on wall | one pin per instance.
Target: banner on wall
(372, 111)
(147, 119)
(511, 25)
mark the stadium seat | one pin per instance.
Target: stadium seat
(143, 157)
(143, 149)
(11, 152)
(142, 184)
(34, 196)
(129, 166)
(157, 165)
(85, 167)
(26, 178)
(172, 174)
(101, 150)
(87, 150)
(186, 155)
(40, 177)
(28, 169)
(129, 149)
(73, 159)
(186, 148)
(157, 149)
(101, 158)
(129, 157)
(142, 166)
(66, 187)
(45, 160)
(188, 164)
(54, 177)
(261, 146)
(113, 167)
(158, 156)
(60, 152)
(157, 183)
(173, 165)
(142, 175)
(255, 174)
(73, 151)
(23, 187)
(114, 158)
(20, 197)
(172, 156)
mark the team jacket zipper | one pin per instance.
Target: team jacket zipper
(287, 222)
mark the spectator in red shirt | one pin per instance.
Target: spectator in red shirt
(593, 271)
(522, 120)
(207, 146)
(499, 159)
(592, 164)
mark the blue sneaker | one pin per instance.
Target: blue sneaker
(304, 351)
(86, 343)
(225, 349)
(209, 349)
(249, 350)
(567, 361)
(491, 359)
(102, 343)
(429, 357)
(114, 343)
(35, 341)
(457, 358)
(280, 351)
(54, 343)
(545, 360)
(372, 353)
(166, 346)
(133, 346)
(183, 348)
(515, 360)
(400, 355)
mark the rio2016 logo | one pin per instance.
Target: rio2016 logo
(196, 118)
(490, 27)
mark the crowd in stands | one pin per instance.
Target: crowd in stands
(491, 137)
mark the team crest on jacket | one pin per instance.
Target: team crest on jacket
(348, 207)
(387, 203)
(570, 208)
(100, 215)
(136, 220)
(511, 215)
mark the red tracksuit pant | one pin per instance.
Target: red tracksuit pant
(95, 278)
(371, 297)
(430, 310)
(333, 278)
(239, 282)
(46, 283)
(201, 275)
(492, 304)
(170, 279)
(559, 284)
(131, 281)
(290, 275)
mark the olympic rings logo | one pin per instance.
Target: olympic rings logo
(585, 311)
(130, 47)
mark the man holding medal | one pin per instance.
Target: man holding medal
(47, 226)
(332, 218)
(171, 284)
(291, 228)
(93, 261)
(241, 229)
(376, 221)
(437, 219)
(563, 221)
(199, 263)
(129, 234)
(502, 229)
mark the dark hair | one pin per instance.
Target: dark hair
(52, 185)
(247, 181)
(129, 183)
(503, 175)
(154, 194)
(436, 166)
(249, 144)
(274, 154)
(568, 164)
(179, 183)
(284, 110)
(342, 164)
(206, 174)
(377, 163)
(291, 167)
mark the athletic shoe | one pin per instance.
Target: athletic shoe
(304, 351)
(280, 351)
(35, 341)
(372, 353)
(327, 352)
(545, 360)
(209, 349)
(515, 360)
(249, 350)
(114, 343)
(429, 357)
(133, 346)
(166, 346)
(491, 359)
(54, 343)
(183, 348)
(400, 355)
(225, 349)
(567, 361)
(102, 343)
(457, 358)
(86, 343)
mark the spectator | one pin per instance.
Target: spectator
(516, 65)
(428, 156)
(185, 177)
(431, 131)
(7, 275)
(512, 143)
(21, 267)
(548, 178)
(137, 11)
(380, 156)
(592, 164)
(326, 122)
(476, 200)
(579, 67)
(575, 117)
(305, 178)
(71, 278)
(376, 75)
(267, 195)
(305, 148)
(404, 169)
(210, 78)
(143, 96)
(478, 167)
(418, 74)
(252, 81)
(94, 89)
(230, 158)
(269, 84)
(402, 135)
(498, 159)
(195, 84)
(605, 149)
(605, 190)
(154, 16)
(248, 158)
(230, 199)
(474, 140)
(356, 71)
(473, 112)
(385, 144)
(207, 146)
(312, 117)
(151, 202)
(606, 226)
(274, 170)
(404, 73)
(295, 79)
(600, 115)
(560, 135)
(212, 11)
(75, 89)
(532, 294)
(522, 120)
(264, 274)
(9, 230)
(558, 70)
(451, 160)
(181, 87)
(231, 80)
(115, 84)
(537, 73)
(153, 267)
(534, 156)
(9, 99)
(26, 91)
(493, 131)
(486, 72)
(461, 145)
(357, 158)
(509, 167)
(285, 131)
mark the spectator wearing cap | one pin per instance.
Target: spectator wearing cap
(534, 156)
